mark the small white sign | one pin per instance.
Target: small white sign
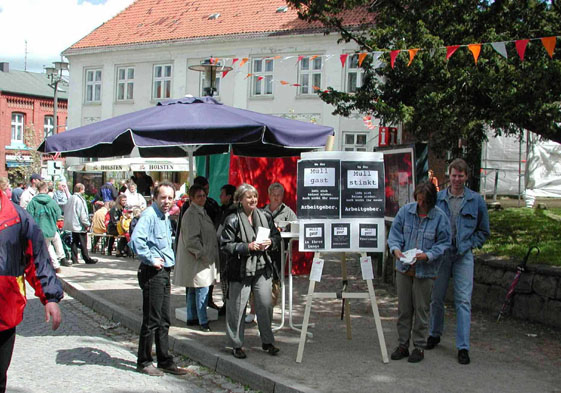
(362, 178)
(314, 232)
(366, 267)
(368, 232)
(318, 177)
(317, 269)
(262, 234)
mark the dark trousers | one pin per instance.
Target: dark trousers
(122, 247)
(7, 340)
(80, 239)
(156, 286)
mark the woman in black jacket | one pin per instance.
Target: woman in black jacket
(114, 217)
(249, 268)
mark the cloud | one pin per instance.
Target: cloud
(51, 26)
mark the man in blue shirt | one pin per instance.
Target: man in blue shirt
(151, 242)
(469, 223)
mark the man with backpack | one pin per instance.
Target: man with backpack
(107, 192)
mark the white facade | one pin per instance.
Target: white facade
(91, 99)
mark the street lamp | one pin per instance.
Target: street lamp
(55, 76)
(210, 67)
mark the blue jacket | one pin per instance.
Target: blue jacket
(472, 223)
(432, 235)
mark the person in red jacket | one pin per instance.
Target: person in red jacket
(23, 254)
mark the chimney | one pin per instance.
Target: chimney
(4, 66)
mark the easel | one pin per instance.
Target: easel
(346, 296)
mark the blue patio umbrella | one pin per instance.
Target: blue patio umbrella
(199, 126)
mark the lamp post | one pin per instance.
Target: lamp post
(55, 76)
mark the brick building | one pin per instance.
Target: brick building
(26, 104)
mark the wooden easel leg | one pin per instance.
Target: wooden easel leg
(378, 322)
(347, 302)
(303, 333)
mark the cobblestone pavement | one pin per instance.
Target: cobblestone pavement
(88, 353)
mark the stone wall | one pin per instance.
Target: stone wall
(537, 296)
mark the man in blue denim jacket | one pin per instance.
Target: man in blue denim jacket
(470, 228)
(423, 227)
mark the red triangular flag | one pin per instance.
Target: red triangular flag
(450, 50)
(296, 84)
(299, 58)
(224, 73)
(549, 44)
(521, 48)
(343, 59)
(234, 60)
(259, 78)
(393, 55)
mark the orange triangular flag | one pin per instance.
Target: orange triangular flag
(248, 75)
(549, 44)
(314, 57)
(343, 59)
(276, 57)
(244, 60)
(316, 88)
(393, 55)
(284, 83)
(361, 57)
(412, 53)
(475, 50)
(450, 50)
(521, 48)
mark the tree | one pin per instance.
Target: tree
(442, 101)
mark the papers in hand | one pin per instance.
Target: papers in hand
(262, 234)
(409, 256)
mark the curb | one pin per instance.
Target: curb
(241, 372)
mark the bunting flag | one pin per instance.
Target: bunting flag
(368, 122)
(284, 83)
(343, 59)
(244, 60)
(375, 57)
(521, 48)
(393, 55)
(549, 45)
(450, 51)
(316, 88)
(314, 57)
(361, 57)
(296, 84)
(299, 59)
(432, 51)
(412, 53)
(259, 78)
(234, 60)
(248, 75)
(224, 73)
(500, 48)
(475, 49)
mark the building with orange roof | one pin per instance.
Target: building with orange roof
(278, 62)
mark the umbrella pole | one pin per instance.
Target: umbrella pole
(190, 149)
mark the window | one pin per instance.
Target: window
(205, 90)
(354, 141)
(262, 79)
(309, 74)
(162, 81)
(125, 83)
(354, 74)
(93, 85)
(17, 128)
(48, 126)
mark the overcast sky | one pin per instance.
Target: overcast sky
(49, 26)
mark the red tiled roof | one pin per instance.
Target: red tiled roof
(163, 20)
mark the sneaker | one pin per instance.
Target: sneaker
(173, 369)
(65, 262)
(271, 349)
(91, 261)
(150, 370)
(416, 356)
(249, 318)
(463, 356)
(400, 353)
(432, 342)
(239, 353)
(205, 328)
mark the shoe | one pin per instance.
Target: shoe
(58, 270)
(400, 353)
(432, 342)
(249, 318)
(119, 255)
(192, 322)
(65, 262)
(239, 353)
(205, 328)
(463, 356)
(150, 370)
(173, 369)
(91, 261)
(222, 311)
(416, 356)
(270, 348)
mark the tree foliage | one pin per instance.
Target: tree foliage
(442, 101)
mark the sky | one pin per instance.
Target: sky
(49, 26)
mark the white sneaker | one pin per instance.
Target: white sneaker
(249, 318)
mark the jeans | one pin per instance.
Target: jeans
(197, 301)
(460, 267)
(156, 286)
(7, 340)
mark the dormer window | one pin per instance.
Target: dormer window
(282, 9)
(213, 16)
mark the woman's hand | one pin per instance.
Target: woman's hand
(265, 244)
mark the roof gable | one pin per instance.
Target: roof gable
(147, 21)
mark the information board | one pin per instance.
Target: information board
(341, 201)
